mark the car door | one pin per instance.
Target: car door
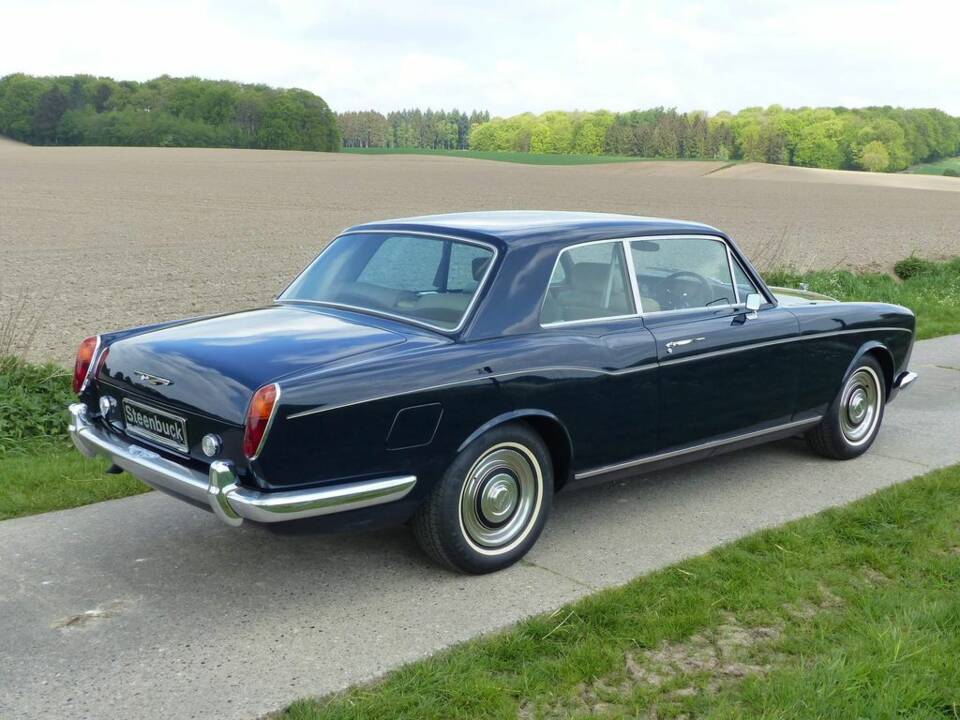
(597, 365)
(724, 370)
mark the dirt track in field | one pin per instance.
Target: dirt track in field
(99, 238)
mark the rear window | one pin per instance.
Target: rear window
(428, 280)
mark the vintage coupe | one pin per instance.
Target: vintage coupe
(457, 370)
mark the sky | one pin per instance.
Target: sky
(512, 56)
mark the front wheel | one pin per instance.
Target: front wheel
(853, 419)
(492, 503)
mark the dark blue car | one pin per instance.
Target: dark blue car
(457, 370)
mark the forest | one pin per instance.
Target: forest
(433, 129)
(165, 111)
(879, 139)
(191, 112)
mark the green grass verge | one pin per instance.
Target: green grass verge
(852, 613)
(506, 156)
(948, 166)
(57, 480)
(930, 289)
(39, 468)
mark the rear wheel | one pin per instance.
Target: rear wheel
(853, 419)
(492, 503)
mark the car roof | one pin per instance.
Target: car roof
(515, 227)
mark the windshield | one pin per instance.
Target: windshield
(429, 280)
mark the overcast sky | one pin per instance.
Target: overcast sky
(515, 55)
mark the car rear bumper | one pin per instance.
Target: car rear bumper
(218, 488)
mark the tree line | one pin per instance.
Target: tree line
(415, 128)
(879, 139)
(166, 111)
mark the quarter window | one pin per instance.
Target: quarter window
(589, 282)
(681, 273)
(745, 285)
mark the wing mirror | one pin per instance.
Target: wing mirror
(754, 301)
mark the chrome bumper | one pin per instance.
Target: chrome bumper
(219, 489)
(904, 379)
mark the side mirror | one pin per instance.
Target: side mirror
(754, 301)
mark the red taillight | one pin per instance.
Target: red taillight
(85, 353)
(259, 415)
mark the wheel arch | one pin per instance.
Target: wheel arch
(882, 354)
(549, 427)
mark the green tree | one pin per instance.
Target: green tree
(874, 157)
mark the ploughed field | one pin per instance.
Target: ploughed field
(93, 239)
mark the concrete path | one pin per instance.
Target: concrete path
(146, 608)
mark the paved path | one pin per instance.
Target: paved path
(145, 608)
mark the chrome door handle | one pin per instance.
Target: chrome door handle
(680, 343)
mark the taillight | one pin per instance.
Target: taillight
(85, 353)
(259, 416)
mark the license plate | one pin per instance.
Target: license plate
(155, 425)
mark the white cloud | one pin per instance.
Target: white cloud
(511, 56)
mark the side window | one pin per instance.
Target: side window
(589, 282)
(745, 285)
(680, 273)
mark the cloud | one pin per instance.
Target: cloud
(511, 57)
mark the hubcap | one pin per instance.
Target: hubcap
(501, 498)
(860, 406)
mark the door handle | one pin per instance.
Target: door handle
(680, 343)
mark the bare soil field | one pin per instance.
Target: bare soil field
(93, 239)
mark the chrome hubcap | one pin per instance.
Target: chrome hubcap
(860, 406)
(501, 498)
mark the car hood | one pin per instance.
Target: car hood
(214, 365)
(791, 296)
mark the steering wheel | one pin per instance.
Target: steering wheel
(678, 297)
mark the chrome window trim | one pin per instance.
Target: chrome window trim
(714, 238)
(646, 460)
(266, 430)
(606, 318)
(467, 313)
(634, 284)
(733, 277)
(595, 371)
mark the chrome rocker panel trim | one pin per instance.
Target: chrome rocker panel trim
(219, 490)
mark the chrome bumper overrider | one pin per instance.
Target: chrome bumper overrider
(219, 489)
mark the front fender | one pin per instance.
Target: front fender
(885, 357)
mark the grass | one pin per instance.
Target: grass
(941, 167)
(931, 289)
(507, 156)
(852, 613)
(56, 480)
(39, 469)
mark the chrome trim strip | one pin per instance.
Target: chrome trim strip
(632, 270)
(596, 371)
(479, 378)
(695, 448)
(219, 489)
(768, 343)
(481, 286)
